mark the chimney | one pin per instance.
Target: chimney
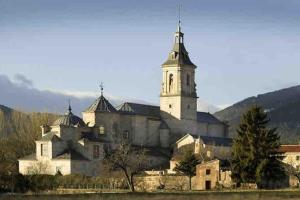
(45, 129)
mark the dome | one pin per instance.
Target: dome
(69, 119)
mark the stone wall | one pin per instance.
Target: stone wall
(212, 129)
(170, 182)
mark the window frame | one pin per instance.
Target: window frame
(207, 172)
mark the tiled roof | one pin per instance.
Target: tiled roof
(29, 157)
(207, 118)
(289, 148)
(140, 109)
(70, 154)
(50, 136)
(101, 105)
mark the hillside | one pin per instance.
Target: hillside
(16, 123)
(18, 131)
(283, 107)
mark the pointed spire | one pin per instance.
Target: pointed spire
(69, 108)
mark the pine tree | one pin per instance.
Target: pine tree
(188, 166)
(254, 151)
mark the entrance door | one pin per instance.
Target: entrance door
(207, 185)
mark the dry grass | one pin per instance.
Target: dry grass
(229, 195)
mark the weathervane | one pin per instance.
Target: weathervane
(101, 87)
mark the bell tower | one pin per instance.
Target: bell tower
(178, 97)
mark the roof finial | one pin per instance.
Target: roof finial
(69, 109)
(101, 87)
(179, 18)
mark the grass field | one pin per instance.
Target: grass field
(237, 195)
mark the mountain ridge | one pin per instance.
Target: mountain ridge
(282, 106)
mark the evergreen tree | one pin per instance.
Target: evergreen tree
(188, 166)
(254, 157)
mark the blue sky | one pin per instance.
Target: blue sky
(242, 48)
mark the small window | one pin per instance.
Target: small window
(297, 157)
(101, 130)
(170, 82)
(170, 105)
(188, 106)
(44, 150)
(188, 80)
(95, 151)
(208, 172)
(126, 135)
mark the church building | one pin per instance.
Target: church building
(75, 145)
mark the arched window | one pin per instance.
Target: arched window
(170, 82)
(188, 80)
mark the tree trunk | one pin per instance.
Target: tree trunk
(132, 183)
(190, 182)
(128, 180)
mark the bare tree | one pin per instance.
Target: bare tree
(292, 170)
(39, 168)
(130, 160)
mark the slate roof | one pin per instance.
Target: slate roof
(90, 136)
(50, 136)
(218, 141)
(207, 118)
(140, 109)
(289, 148)
(69, 119)
(179, 56)
(101, 105)
(29, 157)
(70, 154)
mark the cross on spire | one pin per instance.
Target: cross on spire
(101, 87)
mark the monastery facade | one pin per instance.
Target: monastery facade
(75, 145)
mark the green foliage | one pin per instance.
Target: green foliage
(40, 182)
(253, 152)
(20, 183)
(269, 173)
(187, 165)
